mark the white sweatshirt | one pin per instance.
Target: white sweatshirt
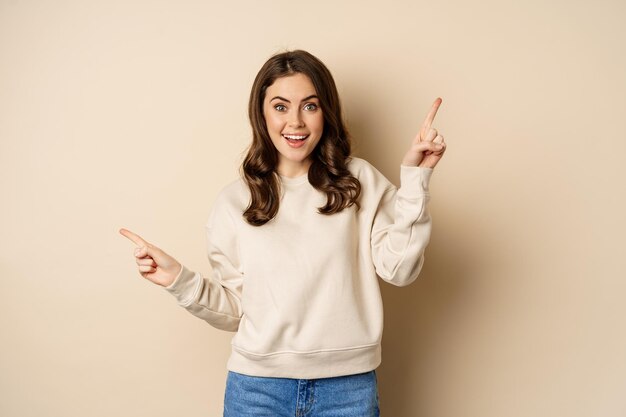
(302, 290)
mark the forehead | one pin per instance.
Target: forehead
(293, 86)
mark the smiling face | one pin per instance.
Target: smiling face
(294, 122)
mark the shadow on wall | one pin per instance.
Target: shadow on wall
(419, 318)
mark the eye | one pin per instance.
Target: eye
(310, 106)
(280, 107)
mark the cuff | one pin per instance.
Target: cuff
(185, 285)
(414, 181)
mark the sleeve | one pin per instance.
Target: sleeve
(217, 298)
(401, 227)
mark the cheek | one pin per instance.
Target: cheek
(273, 124)
(319, 123)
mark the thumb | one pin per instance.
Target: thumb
(160, 257)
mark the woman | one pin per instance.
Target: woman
(296, 245)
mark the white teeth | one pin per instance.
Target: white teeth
(296, 137)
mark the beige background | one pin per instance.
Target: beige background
(133, 114)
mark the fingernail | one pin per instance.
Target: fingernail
(439, 146)
(137, 251)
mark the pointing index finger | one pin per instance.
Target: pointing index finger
(133, 237)
(431, 116)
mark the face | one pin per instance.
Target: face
(294, 122)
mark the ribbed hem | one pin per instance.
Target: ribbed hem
(306, 365)
(185, 286)
(414, 181)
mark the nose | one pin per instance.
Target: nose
(296, 119)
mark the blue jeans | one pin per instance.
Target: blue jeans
(342, 396)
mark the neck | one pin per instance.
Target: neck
(294, 169)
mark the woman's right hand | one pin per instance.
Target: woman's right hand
(154, 264)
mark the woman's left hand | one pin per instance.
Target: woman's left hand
(428, 146)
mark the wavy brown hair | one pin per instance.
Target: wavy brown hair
(328, 172)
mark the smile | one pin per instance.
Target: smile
(295, 141)
(295, 137)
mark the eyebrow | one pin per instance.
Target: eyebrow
(304, 99)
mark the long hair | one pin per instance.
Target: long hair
(327, 173)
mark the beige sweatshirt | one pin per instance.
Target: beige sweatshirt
(302, 290)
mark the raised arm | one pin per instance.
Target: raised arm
(402, 224)
(401, 227)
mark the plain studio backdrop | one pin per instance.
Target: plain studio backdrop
(134, 114)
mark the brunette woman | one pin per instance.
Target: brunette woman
(296, 246)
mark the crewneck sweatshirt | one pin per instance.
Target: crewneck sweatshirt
(301, 291)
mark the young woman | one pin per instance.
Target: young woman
(296, 245)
